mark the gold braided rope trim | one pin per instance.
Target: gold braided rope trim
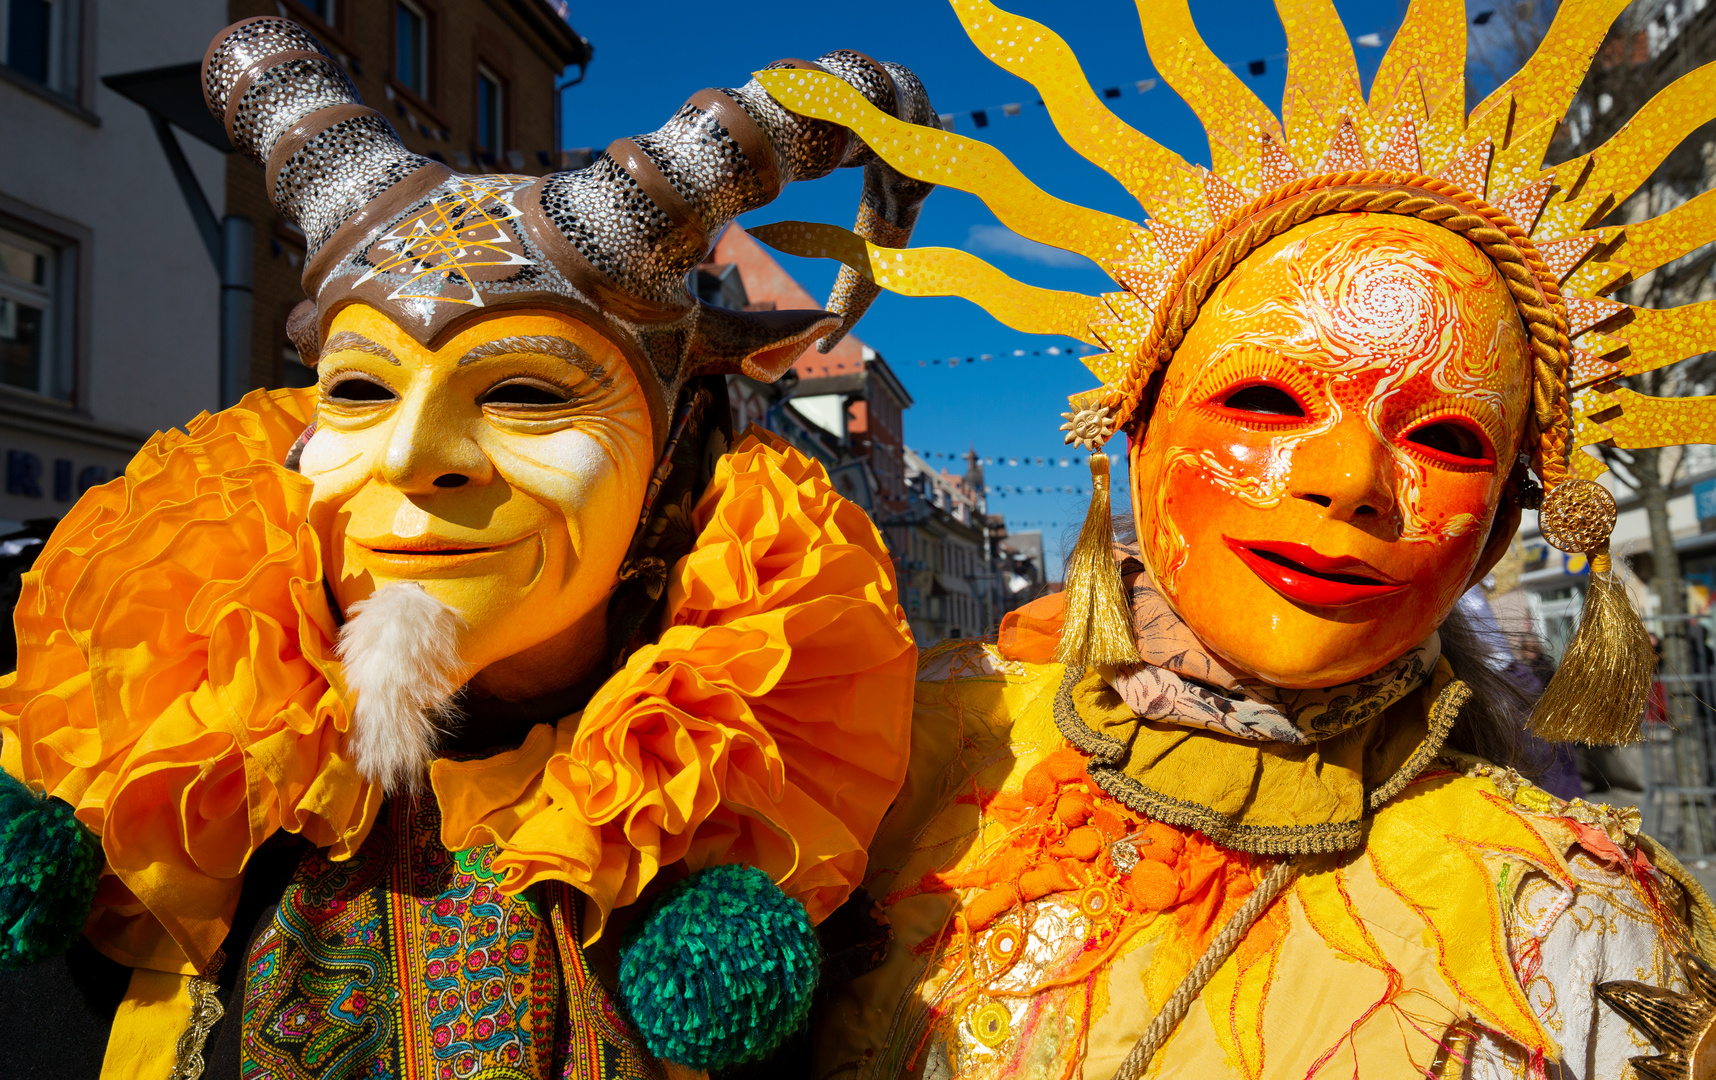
(1106, 767)
(1536, 293)
(206, 1012)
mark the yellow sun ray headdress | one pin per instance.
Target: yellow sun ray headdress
(1410, 149)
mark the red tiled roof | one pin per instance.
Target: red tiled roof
(766, 282)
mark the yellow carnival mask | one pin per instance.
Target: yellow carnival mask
(502, 470)
(1325, 458)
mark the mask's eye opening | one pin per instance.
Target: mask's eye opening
(354, 391)
(526, 393)
(1264, 399)
(1452, 441)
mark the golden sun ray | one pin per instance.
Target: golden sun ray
(1666, 237)
(1322, 79)
(1646, 422)
(1425, 67)
(1231, 114)
(950, 160)
(934, 271)
(1645, 245)
(1605, 177)
(1520, 116)
(1164, 184)
(1657, 337)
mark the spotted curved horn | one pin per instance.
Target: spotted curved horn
(290, 107)
(653, 205)
(611, 244)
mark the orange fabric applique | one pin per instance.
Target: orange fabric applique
(1058, 831)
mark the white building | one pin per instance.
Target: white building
(109, 298)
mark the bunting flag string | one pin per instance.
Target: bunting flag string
(981, 118)
(1052, 350)
(1004, 490)
(1001, 461)
(980, 358)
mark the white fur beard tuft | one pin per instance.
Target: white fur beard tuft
(400, 649)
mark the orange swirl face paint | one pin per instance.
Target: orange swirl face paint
(1325, 458)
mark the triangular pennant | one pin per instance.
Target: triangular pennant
(1523, 204)
(1345, 154)
(1401, 154)
(1176, 243)
(1588, 367)
(1278, 166)
(1223, 197)
(1584, 312)
(1140, 279)
(1469, 170)
(1561, 256)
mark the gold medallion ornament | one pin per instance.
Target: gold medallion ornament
(992, 1024)
(1578, 517)
(1087, 427)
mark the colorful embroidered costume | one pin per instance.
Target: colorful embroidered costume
(682, 657)
(1246, 818)
(1045, 907)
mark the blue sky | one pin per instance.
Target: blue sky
(650, 57)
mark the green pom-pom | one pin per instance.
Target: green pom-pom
(722, 970)
(49, 864)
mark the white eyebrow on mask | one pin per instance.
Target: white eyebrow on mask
(347, 341)
(542, 345)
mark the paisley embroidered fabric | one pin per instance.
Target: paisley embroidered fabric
(407, 961)
(1181, 682)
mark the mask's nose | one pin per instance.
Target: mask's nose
(1346, 470)
(430, 450)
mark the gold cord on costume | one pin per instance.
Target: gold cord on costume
(1180, 1002)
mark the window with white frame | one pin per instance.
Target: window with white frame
(411, 48)
(35, 323)
(39, 40)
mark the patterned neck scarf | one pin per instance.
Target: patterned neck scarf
(1181, 682)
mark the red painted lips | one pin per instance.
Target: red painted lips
(1306, 577)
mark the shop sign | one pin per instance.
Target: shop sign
(30, 476)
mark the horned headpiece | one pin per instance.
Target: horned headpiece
(611, 244)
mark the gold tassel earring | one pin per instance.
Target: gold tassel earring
(1599, 692)
(1098, 627)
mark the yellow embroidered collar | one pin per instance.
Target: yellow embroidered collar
(1267, 798)
(177, 686)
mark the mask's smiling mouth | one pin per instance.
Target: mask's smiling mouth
(423, 555)
(1306, 576)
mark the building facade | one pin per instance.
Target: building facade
(845, 407)
(144, 276)
(958, 570)
(109, 303)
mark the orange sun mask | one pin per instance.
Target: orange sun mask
(1318, 480)
(502, 470)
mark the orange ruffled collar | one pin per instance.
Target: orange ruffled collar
(177, 686)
